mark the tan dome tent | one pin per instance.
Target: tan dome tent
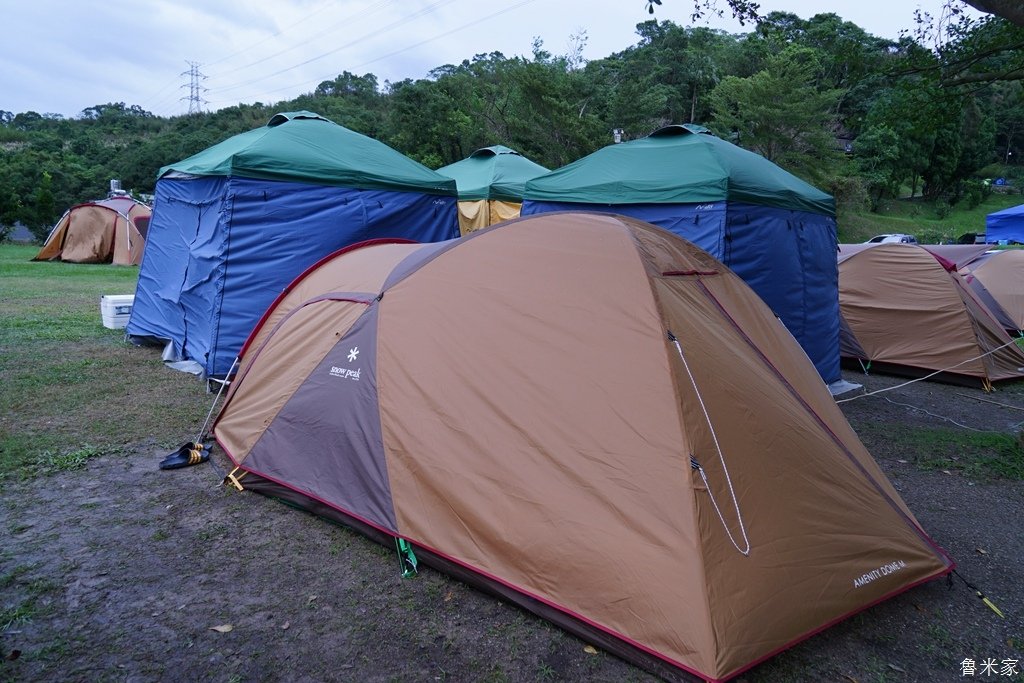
(588, 416)
(905, 310)
(962, 258)
(111, 230)
(1001, 274)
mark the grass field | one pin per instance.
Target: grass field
(919, 218)
(63, 399)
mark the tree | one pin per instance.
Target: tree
(781, 115)
(1007, 104)
(745, 11)
(950, 28)
(1011, 10)
(663, 79)
(44, 209)
(878, 162)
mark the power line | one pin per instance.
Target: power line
(273, 35)
(395, 52)
(161, 89)
(379, 6)
(415, 15)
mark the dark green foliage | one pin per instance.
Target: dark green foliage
(780, 114)
(919, 120)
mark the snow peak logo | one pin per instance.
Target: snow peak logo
(884, 570)
(345, 373)
(348, 373)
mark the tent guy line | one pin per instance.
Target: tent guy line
(987, 400)
(941, 417)
(951, 367)
(721, 457)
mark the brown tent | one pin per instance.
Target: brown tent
(588, 416)
(109, 230)
(906, 310)
(1001, 274)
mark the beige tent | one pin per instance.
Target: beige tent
(110, 230)
(491, 182)
(1001, 273)
(476, 214)
(906, 310)
(959, 258)
(632, 446)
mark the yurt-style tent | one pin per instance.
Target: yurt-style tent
(1006, 226)
(906, 310)
(111, 230)
(1001, 274)
(491, 183)
(234, 224)
(633, 446)
(772, 229)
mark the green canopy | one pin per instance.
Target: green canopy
(306, 147)
(678, 165)
(493, 173)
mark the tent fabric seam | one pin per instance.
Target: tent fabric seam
(336, 296)
(305, 273)
(681, 422)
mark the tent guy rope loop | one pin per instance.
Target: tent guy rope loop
(202, 431)
(898, 386)
(721, 457)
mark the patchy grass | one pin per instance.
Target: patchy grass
(33, 592)
(11, 577)
(17, 615)
(980, 455)
(50, 463)
(70, 382)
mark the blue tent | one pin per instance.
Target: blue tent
(772, 229)
(233, 225)
(1006, 226)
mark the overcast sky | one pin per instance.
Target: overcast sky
(62, 56)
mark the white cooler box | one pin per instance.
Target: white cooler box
(116, 309)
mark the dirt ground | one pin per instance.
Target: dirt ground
(120, 572)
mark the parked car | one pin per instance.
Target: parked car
(894, 237)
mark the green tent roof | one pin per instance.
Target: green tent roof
(678, 165)
(493, 173)
(306, 147)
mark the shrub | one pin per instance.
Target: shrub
(974, 193)
(850, 192)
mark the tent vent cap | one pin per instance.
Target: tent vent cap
(285, 117)
(493, 151)
(681, 129)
